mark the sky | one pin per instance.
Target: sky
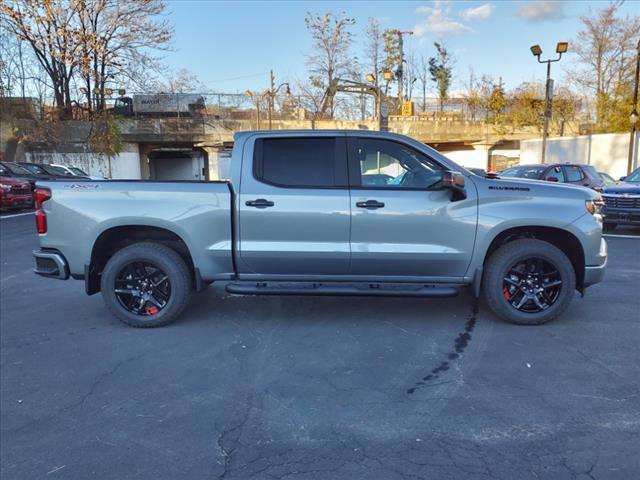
(231, 46)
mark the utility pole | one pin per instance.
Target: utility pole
(271, 94)
(633, 118)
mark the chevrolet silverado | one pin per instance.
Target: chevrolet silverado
(324, 213)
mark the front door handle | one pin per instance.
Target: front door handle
(370, 204)
(259, 203)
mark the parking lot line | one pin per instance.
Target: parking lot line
(16, 215)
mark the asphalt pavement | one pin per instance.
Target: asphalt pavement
(315, 388)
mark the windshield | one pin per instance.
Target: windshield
(76, 171)
(17, 169)
(55, 170)
(34, 169)
(606, 178)
(523, 172)
(633, 176)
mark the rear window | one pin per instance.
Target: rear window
(523, 172)
(34, 169)
(17, 169)
(591, 171)
(574, 174)
(296, 162)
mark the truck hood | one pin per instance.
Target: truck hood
(622, 187)
(538, 187)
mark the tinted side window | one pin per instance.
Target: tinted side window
(297, 162)
(554, 175)
(387, 164)
(573, 173)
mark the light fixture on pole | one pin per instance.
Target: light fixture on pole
(271, 93)
(536, 50)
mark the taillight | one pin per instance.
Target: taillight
(41, 195)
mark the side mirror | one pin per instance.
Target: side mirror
(455, 182)
(622, 179)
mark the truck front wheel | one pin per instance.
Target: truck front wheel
(146, 285)
(529, 282)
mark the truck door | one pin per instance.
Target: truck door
(403, 223)
(294, 207)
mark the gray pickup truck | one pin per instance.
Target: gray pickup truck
(324, 213)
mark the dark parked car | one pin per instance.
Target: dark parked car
(574, 173)
(13, 170)
(606, 178)
(481, 172)
(15, 193)
(622, 202)
(48, 170)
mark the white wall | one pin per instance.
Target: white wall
(607, 152)
(477, 158)
(125, 165)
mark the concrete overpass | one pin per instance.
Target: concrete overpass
(201, 144)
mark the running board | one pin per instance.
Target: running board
(363, 290)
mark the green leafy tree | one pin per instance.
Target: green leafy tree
(440, 68)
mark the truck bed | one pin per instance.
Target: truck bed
(199, 213)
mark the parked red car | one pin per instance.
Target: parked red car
(15, 193)
(575, 173)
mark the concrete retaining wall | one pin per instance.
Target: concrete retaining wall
(124, 166)
(607, 152)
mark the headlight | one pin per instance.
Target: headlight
(5, 188)
(594, 206)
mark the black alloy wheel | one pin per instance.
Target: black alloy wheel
(532, 285)
(142, 288)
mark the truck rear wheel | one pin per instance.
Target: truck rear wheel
(529, 282)
(146, 285)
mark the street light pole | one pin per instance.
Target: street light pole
(271, 94)
(547, 110)
(634, 113)
(561, 48)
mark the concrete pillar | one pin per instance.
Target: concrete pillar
(485, 148)
(144, 150)
(219, 162)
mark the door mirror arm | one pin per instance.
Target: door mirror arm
(454, 181)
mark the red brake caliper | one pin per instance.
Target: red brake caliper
(152, 310)
(506, 293)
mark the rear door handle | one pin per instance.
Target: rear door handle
(259, 203)
(370, 204)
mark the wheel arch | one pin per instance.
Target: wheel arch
(115, 238)
(566, 241)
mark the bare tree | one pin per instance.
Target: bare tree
(605, 49)
(48, 27)
(112, 35)
(422, 74)
(331, 58)
(182, 81)
(92, 41)
(472, 96)
(374, 53)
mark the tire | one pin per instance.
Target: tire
(500, 280)
(608, 227)
(153, 262)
